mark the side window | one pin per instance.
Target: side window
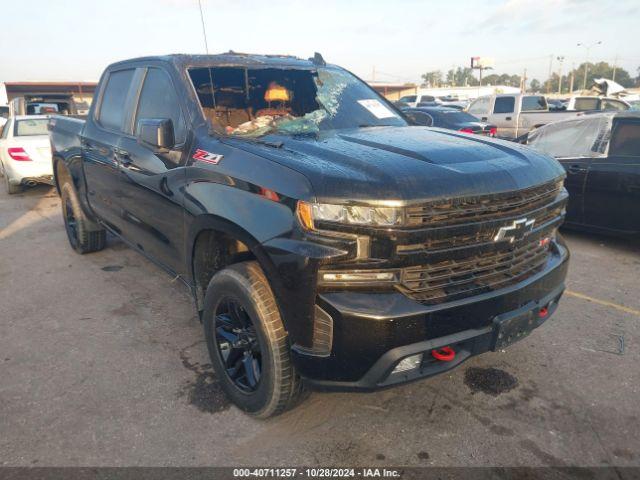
(408, 99)
(480, 106)
(625, 139)
(113, 101)
(608, 104)
(533, 103)
(504, 105)
(158, 99)
(427, 98)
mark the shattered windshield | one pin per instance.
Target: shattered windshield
(251, 102)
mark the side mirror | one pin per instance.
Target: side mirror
(419, 119)
(156, 133)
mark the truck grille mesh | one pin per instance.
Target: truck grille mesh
(483, 208)
(450, 279)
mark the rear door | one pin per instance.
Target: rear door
(100, 139)
(612, 192)
(504, 116)
(152, 204)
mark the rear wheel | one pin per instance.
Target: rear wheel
(248, 345)
(84, 235)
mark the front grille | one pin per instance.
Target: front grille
(451, 279)
(484, 207)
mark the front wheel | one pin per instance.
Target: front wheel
(247, 342)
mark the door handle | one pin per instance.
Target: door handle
(508, 118)
(484, 119)
(576, 169)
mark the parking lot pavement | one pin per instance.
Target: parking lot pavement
(103, 363)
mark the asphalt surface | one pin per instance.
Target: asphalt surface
(102, 363)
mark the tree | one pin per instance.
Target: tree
(600, 70)
(535, 86)
(432, 79)
(460, 77)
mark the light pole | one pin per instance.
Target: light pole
(560, 61)
(586, 63)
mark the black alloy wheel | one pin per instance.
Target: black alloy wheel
(238, 345)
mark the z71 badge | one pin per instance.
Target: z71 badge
(208, 157)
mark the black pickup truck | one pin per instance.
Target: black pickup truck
(326, 241)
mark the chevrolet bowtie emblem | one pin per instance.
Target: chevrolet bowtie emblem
(516, 231)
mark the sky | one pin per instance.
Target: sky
(76, 39)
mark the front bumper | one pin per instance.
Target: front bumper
(372, 332)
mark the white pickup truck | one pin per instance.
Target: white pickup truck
(516, 114)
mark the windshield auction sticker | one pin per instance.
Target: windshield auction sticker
(377, 108)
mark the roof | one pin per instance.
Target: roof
(181, 60)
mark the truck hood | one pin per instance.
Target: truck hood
(408, 164)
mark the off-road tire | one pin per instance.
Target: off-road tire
(85, 236)
(280, 387)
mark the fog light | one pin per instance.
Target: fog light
(408, 363)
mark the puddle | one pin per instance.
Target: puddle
(491, 381)
(205, 392)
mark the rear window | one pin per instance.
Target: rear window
(427, 98)
(504, 105)
(570, 139)
(113, 101)
(27, 128)
(533, 103)
(625, 139)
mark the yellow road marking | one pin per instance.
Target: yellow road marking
(622, 308)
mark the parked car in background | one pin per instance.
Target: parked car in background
(515, 114)
(450, 118)
(25, 152)
(590, 103)
(601, 154)
(415, 100)
(556, 104)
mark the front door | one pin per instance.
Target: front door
(152, 202)
(576, 169)
(612, 192)
(504, 116)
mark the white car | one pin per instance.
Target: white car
(25, 152)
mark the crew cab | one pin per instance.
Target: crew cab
(516, 114)
(326, 242)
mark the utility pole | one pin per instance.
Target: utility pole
(560, 61)
(550, 70)
(615, 66)
(573, 69)
(586, 62)
(523, 88)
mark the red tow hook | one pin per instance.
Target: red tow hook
(444, 354)
(543, 312)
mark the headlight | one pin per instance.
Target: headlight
(309, 213)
